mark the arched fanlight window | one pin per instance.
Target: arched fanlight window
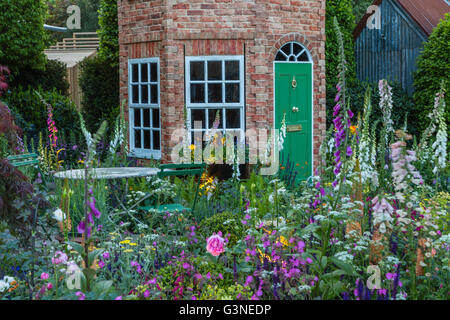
(294, 52)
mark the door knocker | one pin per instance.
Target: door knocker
(294, 83)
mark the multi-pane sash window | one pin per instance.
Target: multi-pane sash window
(215, 84)
(145, 129)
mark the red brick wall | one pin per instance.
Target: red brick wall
(172, 29)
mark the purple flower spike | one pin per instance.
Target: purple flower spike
(81, 227)
(350, 113)
(349, 151)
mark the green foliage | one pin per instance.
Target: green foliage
(109, 32)
(92, 139)
(360, 8)
(9, 132)
(99, 82)
(33, 111)
(53, 76)
(229, 292)
(18, 202)
(342, 10)
(403, 105)
(4, 146)
(433, 66)
(226, 222)
(22, 35)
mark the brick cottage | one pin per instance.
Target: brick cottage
(253, 60)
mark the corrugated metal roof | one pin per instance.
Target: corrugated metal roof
(426, 13)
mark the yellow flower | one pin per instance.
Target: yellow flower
(192, 147)
(284, 241)
(263, 255)
(132, 244)
(57, 152)
(124, 241)
(353, 129)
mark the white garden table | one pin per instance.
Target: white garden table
(108, 173)
(111, 174)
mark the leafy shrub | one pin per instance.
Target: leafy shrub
(53, 76)
(33, 112)
(360, 8)
(403, 105)
(15, 199)
(229, 292)
(174, 276)
(439, 201)
(342, 10)
(100, 85)
(109, 32)
(433, 66)
(226, 222)
(22, 35)
(9, 132)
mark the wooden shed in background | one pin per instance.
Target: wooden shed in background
(390, 52)
(72, 51)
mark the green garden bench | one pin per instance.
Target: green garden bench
(25, 160)
(167, 170)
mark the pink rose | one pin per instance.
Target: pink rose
(215, 245)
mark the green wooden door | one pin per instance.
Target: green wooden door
(293, 96)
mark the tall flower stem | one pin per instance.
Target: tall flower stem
(86, 240)
(342, 114)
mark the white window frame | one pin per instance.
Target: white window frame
(224, 105)
(142, 152)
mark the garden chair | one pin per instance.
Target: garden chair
(26, 159)
(178, 170)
